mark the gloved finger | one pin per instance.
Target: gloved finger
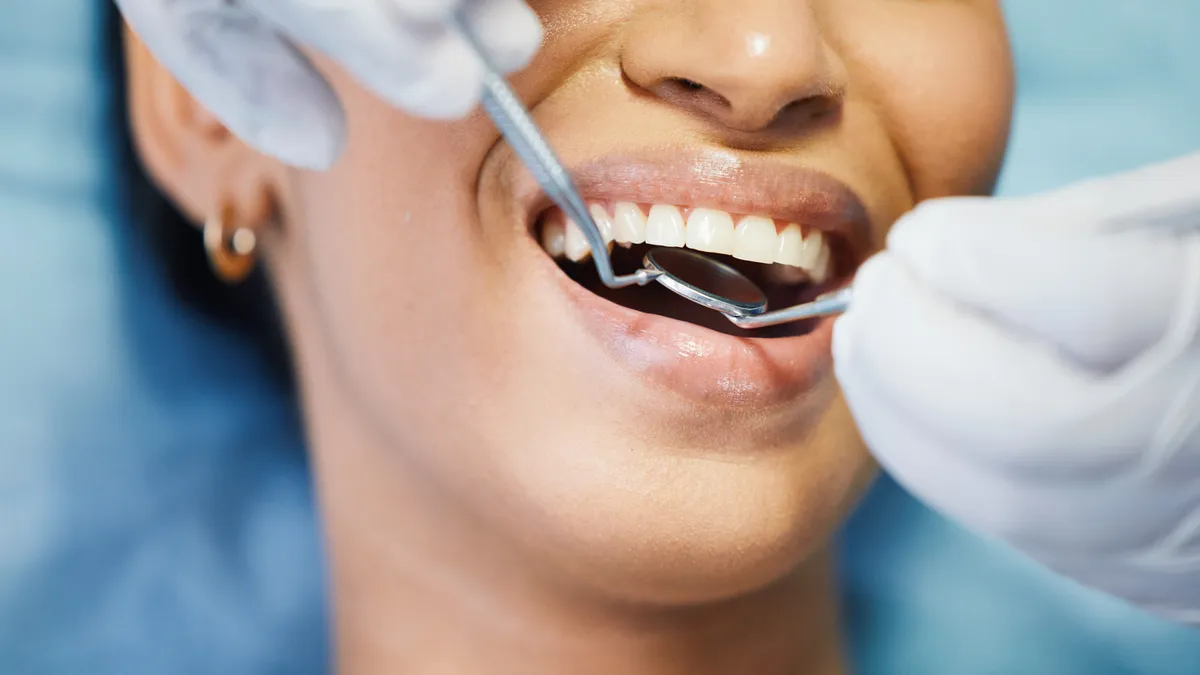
(1058, 519)
(509, 30)
(975, 384)
(966, 488)
(1159, 196)
(451, 90)
(430, 11)
(234, 64)
(1103, 298)
(419, 65)
(1097, 532)
(915, 457)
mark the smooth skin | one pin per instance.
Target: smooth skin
(498, 493)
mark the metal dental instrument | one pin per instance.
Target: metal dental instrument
(718, 286)
(834, 302)
(707, 282)
(519, 129)
(696, 277)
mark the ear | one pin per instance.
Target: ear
(187, 152)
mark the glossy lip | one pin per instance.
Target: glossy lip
(716, 180)
(704, 365)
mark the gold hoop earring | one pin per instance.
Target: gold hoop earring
(230, 254)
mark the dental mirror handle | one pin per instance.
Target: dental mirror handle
(837, 302)
(522, 133)
(829, 304)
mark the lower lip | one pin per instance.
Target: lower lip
(702, 364)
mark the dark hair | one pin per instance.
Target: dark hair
(176, 244)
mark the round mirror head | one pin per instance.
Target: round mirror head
(706, 282)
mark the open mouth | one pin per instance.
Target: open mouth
(791, 262)
(795, 231)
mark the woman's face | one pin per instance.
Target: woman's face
(623, 441)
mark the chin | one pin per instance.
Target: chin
(671, 529)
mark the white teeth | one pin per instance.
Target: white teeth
(820, 270)
(710, 230)
(755, 240)
(629, 223)
(554, 238)
(790, 246)
(798, 257)
(665, 226)
(814, 246)
(603, 222)
(790, 256)
(576, 246)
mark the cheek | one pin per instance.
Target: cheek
(940, 77)
(386, 250)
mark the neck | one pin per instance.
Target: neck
(418, 588)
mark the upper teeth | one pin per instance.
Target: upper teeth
(753, 238)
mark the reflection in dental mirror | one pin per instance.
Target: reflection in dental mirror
(718, 286)
(706, 282)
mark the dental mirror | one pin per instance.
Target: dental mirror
(717, 286)
(706, 282)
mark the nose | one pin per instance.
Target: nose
(749, 66)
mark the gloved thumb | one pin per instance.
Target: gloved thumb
(1101, 298)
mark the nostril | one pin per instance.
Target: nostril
(690, 94)
(814, 109)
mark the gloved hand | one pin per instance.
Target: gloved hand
(1034, 375)
(239, 58)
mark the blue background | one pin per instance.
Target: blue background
(155, 510)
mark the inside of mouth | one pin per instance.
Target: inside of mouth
(654, 298)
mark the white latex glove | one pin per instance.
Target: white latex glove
(1036, 377)
(240, 59)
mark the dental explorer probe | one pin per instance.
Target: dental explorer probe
(518, 128)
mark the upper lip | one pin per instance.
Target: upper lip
(721, 180)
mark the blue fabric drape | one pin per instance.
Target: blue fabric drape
(155, 509)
